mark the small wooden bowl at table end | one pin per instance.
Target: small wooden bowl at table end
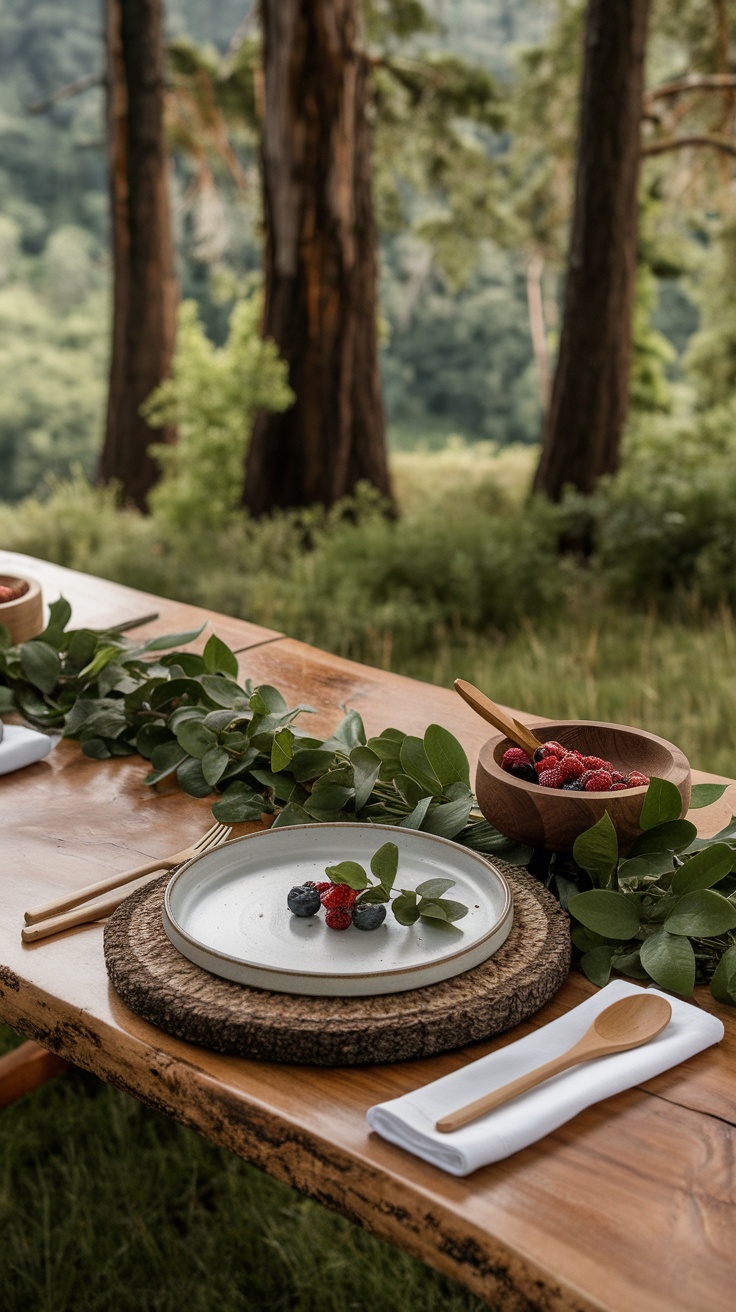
(553, 818)
(24, 616)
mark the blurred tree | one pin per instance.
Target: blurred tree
(144, 299)
(320, 260)
(590, 394)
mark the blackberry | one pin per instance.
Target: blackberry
(523, 772)
(303, 900)
(574, 786)
(369, 915)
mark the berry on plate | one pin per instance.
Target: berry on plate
(303, 900)
(337, 918)
(368, 915)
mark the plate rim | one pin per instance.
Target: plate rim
(331, 825)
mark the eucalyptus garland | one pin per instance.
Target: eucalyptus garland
(665, 912)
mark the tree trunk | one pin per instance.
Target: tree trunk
(590, 393)
(320, 260)
(144, 297)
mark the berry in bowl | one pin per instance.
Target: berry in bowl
(21, 607)
(582, 769)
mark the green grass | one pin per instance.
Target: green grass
(106, 1206)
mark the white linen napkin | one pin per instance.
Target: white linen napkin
(409, 1121)
(20, 746)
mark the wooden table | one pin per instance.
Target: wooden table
(629, 1207)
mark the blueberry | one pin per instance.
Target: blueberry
(368, 916)
(304, 901)
(574, 786)
(540, 754)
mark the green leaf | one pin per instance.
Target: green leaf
(645, 867)
(701, 914)
(449, 818)
(613, 915)
(165, 759)
(414, 819)
(414, 763)
(723, 983)
(191, 779)
(40, 664)
(670, 961)
(596, 965)
(311, 762)
(7, 700)
(429, 910)
(596, 850)
(348, 872)
(195, 738)
(405, 908)
(445, 755)
(375, 894)
(292, 814)
(366, 767)
(238, 804)
(350, 733)
(170, 640)
(218, 657)
(661, 803)
(451, 910)
(60, 613)
(266, 700)
(434, 887)
(385, 863)
(388, 750)
(705, 794)
(96, 748)
(150, 736)
(674, 836)
(214, 764)
(704, 869)
(224, 692)
(282, 750)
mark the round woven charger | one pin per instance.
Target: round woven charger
(163, 987)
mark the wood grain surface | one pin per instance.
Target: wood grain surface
(628, 1208)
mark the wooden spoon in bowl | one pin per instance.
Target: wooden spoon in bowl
(518, 733)
(626, 1024)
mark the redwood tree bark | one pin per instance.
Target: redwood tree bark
(320, 260)
(144, 291)
(589, 400)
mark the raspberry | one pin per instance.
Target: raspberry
(555, 748)
(599, 782)
(324, 888)
(336, 918)
(597, 763)
(617, 777)
(553, 778)
(636, 779)
(515, 756)
(617, 787)
(571, 766)
(545, 763)
(340, 896)
(17, 590)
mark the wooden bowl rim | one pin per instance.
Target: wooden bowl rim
(679, 761)
(34, 589)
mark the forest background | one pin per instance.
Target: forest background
(632, 622)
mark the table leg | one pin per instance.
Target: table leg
(26, 1068)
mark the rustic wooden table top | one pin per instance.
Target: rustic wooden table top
(629, 1207)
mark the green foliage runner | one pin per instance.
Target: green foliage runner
(665, 912)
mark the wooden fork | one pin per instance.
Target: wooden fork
(51, 914)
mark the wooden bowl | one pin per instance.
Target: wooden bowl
(552, 818)
(24, 616)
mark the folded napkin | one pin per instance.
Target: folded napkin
(20, 746)
(409, 1121)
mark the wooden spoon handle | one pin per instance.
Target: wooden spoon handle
(518, 733)
(472, 1110)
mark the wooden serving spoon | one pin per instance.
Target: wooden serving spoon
(628, 1023)
(518, 733)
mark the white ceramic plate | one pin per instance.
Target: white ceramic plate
(226, 911)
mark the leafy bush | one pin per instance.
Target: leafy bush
(212, 398)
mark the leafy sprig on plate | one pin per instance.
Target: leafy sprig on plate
(426, 901)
